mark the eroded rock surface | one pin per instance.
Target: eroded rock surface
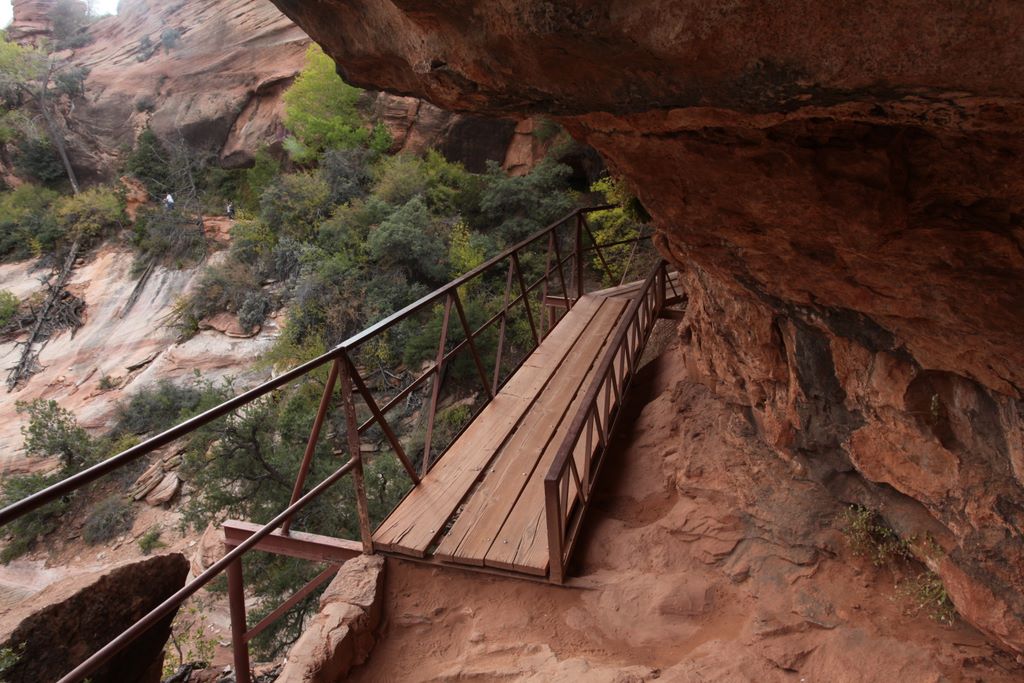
(842, 185)
(342, 634)
(709, 557)
(59, 627)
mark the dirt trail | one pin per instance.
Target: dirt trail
(706, 558)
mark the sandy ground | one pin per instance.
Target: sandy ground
(705, 558)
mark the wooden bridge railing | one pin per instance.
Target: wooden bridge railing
(570, 481)
(562, 278)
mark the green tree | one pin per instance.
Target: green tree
(296, 203)
(27, 76)
(70, 24)
(321, 112)
(53, 431)
(519, 206)
(9, 305)
(27, 222)
(148, 162)
(411, 239)
(90, 215)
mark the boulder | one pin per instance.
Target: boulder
(58, 628)
(342, 634)
(165, 491)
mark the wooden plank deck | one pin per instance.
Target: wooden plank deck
(482, 504)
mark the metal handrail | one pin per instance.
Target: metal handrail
(86, 476)
(605, 380)
(344, 370)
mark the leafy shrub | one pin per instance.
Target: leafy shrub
(347, 174)
(91, 214)
(9, 305)
(254, 310)
(321, 112)
(295, 204)
(145, 103)
(37, 158)
(150, 541)
(71, 81)
(445, 187)
(146, 48)
(926, 593)
(69, 24)
(323, 304)
(411, 239)
(870, 536)
(252, 243)
(148, 162)
(546, 129)
(521, 206)
(192, 639)
(222, 288)
(27, 223)
(169, 39)
(25, 532)
(110, 518)
(264, 170)
(53, 431)
(157, 408)
(349, 225)
(624, 222)
(168, 237)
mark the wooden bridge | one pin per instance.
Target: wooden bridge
(485, 503)
(509, 493)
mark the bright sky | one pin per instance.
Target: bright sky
(99, 8)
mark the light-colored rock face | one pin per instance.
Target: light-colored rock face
(135, 351)
(219, 87)
(843, 185)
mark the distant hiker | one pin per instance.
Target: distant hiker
(169, 202)
(231, 210)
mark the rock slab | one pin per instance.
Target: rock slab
(342, 634)
(70, 620)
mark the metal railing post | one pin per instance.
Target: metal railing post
(579, 256)
(553, 511)
(236, 605)
(435, 392)
(355, 453)
(471, 343)
(314, 436)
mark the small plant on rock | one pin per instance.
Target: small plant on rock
(107, 520)
(190, 640)
(870, 536)
(926, 593)
(150, 541)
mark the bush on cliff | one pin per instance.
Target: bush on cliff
(321, 112)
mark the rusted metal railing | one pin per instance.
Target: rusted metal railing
(570, 480)
(562, 279)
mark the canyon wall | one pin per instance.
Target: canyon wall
(841, 184)
(218, 86)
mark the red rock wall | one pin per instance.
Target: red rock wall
(842, 183)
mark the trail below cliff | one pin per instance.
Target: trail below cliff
(707, 557)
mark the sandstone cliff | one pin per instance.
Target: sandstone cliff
(218, 87)
(842, 184)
